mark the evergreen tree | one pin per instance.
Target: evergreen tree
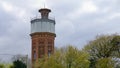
(19, 64)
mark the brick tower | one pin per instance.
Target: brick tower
(42, 35)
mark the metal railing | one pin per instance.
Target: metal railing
(39, 17)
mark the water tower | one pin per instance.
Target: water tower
(42, 35)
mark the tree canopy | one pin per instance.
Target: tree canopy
(103, 51)
(69, 57)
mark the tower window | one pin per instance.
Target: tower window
(34, 55)
(41, 48)
(49, 53)
(41, 42)
(49, 42)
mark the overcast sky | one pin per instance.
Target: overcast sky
(77, 22)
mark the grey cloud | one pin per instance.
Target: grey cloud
(78, 31)
(14, 34)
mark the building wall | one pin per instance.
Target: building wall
(42, 44)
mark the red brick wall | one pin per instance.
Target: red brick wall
(42, 43)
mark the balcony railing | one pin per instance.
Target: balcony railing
(39, 17)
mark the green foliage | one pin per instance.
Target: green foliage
(11, 66)
(102, 48)
(2, 66)
(6, 65)
(76, 58)
(65, 58)
(19, 64)
(54, 61)
(105, 63)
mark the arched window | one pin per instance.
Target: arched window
(41, 49)
(49, 48)
(49, 53)
(34, 55)
(49, 45)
